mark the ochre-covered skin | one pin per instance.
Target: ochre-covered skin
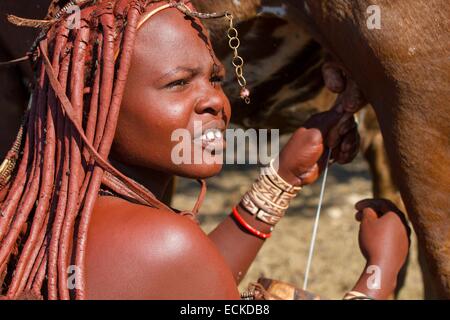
(136, 252)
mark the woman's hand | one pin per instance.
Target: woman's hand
(303, 158)
(384, 242)
(384, 232)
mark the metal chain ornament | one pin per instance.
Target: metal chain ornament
(233, 42)
(237, 61)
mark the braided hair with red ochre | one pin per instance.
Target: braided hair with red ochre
(67, 135)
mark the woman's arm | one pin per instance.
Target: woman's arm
(378, 280)
(237, 246)
(298, 165)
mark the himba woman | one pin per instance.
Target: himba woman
(84, 181)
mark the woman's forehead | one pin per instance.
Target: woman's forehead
(172, 26)
(170, 35)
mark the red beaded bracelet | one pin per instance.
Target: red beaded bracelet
(249, 227)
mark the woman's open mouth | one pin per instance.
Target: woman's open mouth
(212, 139)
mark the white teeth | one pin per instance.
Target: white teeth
(210, 135)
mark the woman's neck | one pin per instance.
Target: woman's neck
(155, 181)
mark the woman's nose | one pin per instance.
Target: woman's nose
(211, 102)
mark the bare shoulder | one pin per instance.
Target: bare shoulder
(136, 252)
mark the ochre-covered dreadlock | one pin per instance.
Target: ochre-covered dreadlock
(65, 138)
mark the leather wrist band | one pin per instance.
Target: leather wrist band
(270, 196)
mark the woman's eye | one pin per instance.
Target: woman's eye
(217, 79)
(177, 83)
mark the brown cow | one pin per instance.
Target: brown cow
(285, 77)
(404, 71)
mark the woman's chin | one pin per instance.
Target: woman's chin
(201, 171)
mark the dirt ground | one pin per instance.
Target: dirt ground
(337, 262)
